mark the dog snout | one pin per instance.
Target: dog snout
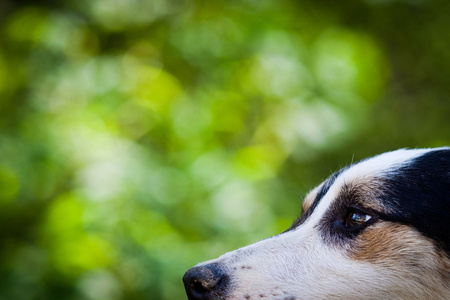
(205, 282)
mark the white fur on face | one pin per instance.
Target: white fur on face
(301, 264)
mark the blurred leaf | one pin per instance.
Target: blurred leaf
(9, 184)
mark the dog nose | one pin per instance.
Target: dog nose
(205, 282)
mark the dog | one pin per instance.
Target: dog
(377, 229)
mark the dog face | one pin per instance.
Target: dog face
(379, 229)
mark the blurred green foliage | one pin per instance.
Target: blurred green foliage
(138, 138)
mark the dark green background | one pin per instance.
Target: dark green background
(138, 138)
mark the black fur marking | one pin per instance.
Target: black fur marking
(419, 194)
(320, 194)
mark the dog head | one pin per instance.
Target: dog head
(378, 229)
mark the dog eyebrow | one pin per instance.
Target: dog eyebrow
(320, 194)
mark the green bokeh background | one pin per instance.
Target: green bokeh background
(138, 138)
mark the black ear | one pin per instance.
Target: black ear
(419, 193)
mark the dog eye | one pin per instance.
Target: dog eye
(356, 218)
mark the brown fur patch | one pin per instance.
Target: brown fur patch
(365, 192)
(309, 199)
(403, 250)
(390, 243)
